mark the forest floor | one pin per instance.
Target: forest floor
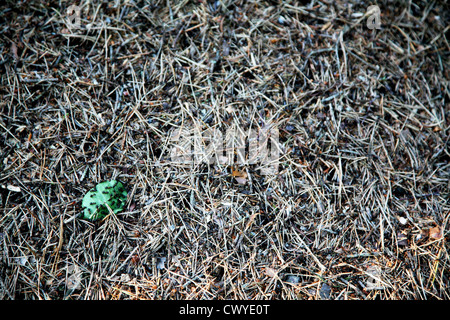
(358, 207)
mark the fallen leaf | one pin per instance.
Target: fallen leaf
(293, 279)
(271, 272)
(402, 240)
(125, 277)
(13, 188)
(160, 263)
(436, 129)
(374, 278)
(241, 180)
(239, 175)
(14, 51)
(402, 220)
(435, 233)
(325, 291)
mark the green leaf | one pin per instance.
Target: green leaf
(109, 193)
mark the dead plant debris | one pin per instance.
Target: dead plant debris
(359, 208)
